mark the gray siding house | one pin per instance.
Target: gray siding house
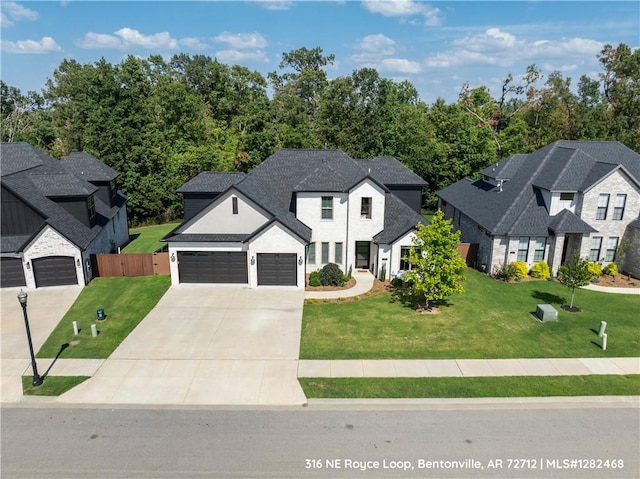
(570, 196)
(55, 215)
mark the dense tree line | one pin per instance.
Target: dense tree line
(160, 123)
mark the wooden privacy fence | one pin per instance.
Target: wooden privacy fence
(469, 252)
(139, 264)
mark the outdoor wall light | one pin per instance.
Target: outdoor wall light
(78, 262)
(253, 260)
(173, 257)
(300, 261)
(28, 265)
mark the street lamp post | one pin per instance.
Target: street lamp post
(22, 297)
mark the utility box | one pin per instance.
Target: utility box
(546, 312)
(100, 314)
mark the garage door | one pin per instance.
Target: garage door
(212, 267)
(54, 271)
(11, 272)
(277, 269)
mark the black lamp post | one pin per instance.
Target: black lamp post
(22, 297)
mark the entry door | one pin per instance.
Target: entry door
(363, 252)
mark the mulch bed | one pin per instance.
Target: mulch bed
(618, 281)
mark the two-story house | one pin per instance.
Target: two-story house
(570, 196)
(294, 213)
(55, 215)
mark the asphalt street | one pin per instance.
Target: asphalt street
(581, 442)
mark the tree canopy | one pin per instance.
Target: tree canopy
(162, 122)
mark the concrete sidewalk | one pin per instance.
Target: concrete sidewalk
(364, 283)
(466, 367)
(610, 289)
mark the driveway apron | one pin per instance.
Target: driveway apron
(45, 309)
(206, 345)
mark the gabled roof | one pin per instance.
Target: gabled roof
(399, 219)
(88, 167)
(572, 166)
(568, 222)
(390, 171)
(32, 176)
(273, 184)
(211, 182)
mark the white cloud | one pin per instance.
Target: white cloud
(241, 41)
(240, 56)
(405, 9)
(498, 47)
(193, 43)
(127, 38)
(14, 12)
(399, 65)
(45, 45)
(274, 4)
(377, 44)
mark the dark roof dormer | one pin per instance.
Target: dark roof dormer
(200, 191)
(73, 194)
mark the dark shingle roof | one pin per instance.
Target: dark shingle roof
(211, 182)
(568, 222)
(88, 167)
(27, 172)
(560, 166)
(505, 169)
(390, 171)
(62, 184)
(399, 219)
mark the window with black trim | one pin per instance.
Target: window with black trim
(612, 246)
(523, 249)
(566, 196)
(91, 207)
(618, 207)
(365, 208)
(596, 245)
(234, 205)
(338, 253)
(538, 253)
(311, 254)
(603, 206)
(325, 253)
(404, 257)
(327, 208)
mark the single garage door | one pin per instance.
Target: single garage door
(212, 267)
(54, 271)
(277, 269)
(11, 273)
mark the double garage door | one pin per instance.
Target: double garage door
(50, 271)
(231, 267)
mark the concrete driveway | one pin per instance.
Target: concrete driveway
(206, 345)
(45, 307)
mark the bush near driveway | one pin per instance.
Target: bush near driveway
(491, 319)
(126, 302)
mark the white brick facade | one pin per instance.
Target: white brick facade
(50, 243)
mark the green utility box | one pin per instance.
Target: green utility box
(546, 312)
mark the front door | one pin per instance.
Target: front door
(363, 251)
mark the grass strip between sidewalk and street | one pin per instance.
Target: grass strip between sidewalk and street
(490, 320)
(51, 385)
(475, 387)
(126, 301)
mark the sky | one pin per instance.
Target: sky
(437, 46)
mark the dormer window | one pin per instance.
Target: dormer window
(91, 207)
(566, 196)
(365, 208)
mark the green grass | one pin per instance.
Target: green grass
(510, 386)
(427, 214)
(126, 302)
(490, 320)
(52, 385)
(146, 239)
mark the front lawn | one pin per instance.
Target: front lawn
(126, 302)
(51, 385)
(490, 319)
(146, 239)
(510, 386)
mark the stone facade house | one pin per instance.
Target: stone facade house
(55, 215)
(294, 213)
(570, 196)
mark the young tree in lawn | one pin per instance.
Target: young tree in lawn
(574, 274)
(437, 269)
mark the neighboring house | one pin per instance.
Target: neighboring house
(570, 196)
(55, 214)
(294, 213)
